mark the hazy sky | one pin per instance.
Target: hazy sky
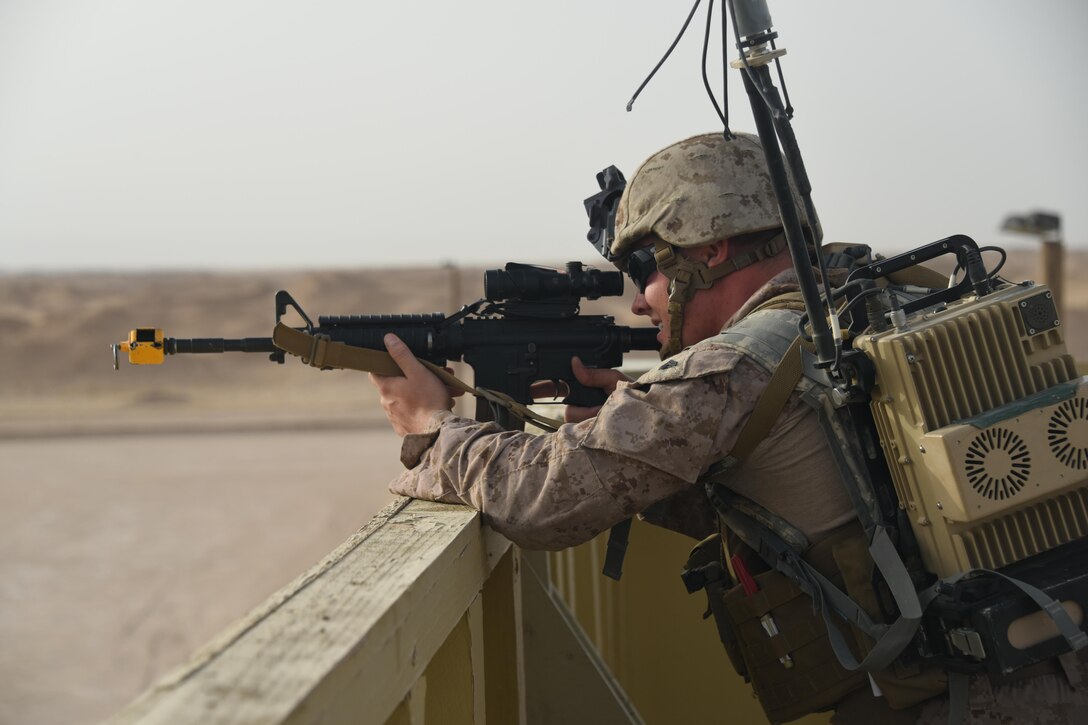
(198, 133)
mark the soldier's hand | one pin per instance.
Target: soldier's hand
(410, 401)
(603, 378)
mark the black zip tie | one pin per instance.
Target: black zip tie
(782, 82)
(729, 136)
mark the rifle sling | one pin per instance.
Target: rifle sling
(320, 351)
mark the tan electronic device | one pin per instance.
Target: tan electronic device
(984, 424)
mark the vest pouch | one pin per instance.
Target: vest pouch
(793, 672)
(902, 686)
(705, 570)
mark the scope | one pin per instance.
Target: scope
(530, 282)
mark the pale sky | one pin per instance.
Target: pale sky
(142, 134)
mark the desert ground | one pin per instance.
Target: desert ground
(142, 510)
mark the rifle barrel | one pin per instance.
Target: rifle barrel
(172, 345)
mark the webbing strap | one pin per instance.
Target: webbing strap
(1074, 637)
(958, 682)
(771, 403)
(825, 595)
(320, 351)
(786, 376)
(669, 262)
(616, 549)
(890, 640)
(957, 697)
(686, 276)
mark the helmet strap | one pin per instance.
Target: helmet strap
(687, 276)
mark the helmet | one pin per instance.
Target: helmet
(694, 192)
(697, 191)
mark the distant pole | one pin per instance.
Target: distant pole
(1048, 227)
(454, 273)
(1052, 266)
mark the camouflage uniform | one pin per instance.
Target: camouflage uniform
(655, 436)
(644, 450)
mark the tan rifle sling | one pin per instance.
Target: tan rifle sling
(320, 352)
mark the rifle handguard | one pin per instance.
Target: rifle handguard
(320, 352)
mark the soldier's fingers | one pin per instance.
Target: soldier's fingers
(402, 356)
(549, 389)
(603, 378)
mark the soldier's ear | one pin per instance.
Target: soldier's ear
(716, 252)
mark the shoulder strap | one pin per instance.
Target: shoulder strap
(767, 331)
(785, 378)
(770, 405)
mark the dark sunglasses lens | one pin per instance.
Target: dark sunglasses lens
(641, 267)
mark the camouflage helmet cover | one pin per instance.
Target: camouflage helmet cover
(697, 191)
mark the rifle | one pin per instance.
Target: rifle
(526, 328)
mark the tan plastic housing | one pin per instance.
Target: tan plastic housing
(984, 426)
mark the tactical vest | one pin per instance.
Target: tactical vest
(772, 632)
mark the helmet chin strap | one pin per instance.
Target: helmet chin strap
(687, 276)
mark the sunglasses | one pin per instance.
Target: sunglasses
(641, 265)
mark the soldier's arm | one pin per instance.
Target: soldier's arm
(561, 489)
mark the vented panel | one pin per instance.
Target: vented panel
(1027, 531)
(997, 464)
(1067, 433)
(966, 366)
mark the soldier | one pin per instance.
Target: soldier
(698, 231)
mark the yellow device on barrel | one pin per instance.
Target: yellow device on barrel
(144, 347)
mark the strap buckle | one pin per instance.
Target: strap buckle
(319, 346)
(700, 577)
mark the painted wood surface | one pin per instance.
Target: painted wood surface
(347, 641)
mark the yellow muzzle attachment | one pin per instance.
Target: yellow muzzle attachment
(144, 347)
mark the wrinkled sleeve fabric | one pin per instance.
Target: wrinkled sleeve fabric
(648, 444)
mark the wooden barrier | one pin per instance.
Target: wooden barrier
(424, 617)
(350, 640)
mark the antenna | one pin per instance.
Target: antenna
(755, 38)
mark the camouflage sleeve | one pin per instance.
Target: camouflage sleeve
(649, 442)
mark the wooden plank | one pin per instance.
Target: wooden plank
(350, 637)
(478, 682)
(566, 680)
(504, 669)
(450, 698)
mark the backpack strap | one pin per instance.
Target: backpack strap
(773, 350)
(784, 379)
(779, 554)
